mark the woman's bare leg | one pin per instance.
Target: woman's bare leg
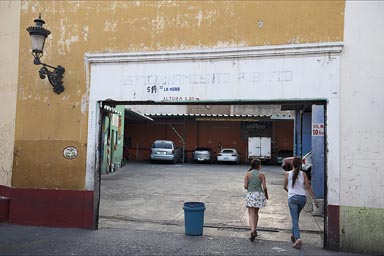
(251, 215)
(256, 217)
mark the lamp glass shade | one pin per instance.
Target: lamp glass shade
(38, 42)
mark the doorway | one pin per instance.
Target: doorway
(123, 203)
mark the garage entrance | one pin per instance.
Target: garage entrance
(157, 204)
(307, 73)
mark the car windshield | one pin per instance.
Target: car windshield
(161, 144)
(230, 151)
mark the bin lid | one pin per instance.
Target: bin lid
(194, 206)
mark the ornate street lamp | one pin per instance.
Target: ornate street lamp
(38, 35)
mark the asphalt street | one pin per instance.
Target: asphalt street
(26, 240)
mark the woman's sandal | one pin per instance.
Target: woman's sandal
(253, 236)
(297, 244)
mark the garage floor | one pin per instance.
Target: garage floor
(146, 196)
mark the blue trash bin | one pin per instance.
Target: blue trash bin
(194, 218)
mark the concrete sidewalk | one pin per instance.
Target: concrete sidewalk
(151, 196)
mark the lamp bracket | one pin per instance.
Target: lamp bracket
(54, 77)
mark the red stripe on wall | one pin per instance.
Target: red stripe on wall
(4, 203)
(5, 191)
(52, 208)
(333, 235)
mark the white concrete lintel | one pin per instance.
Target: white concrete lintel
(227, 53)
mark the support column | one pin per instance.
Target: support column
(318, 151)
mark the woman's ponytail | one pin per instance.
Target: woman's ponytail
(296, 162)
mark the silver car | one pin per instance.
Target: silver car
(165, 150)
(203, 154)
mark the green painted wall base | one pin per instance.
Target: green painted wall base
(362, 229)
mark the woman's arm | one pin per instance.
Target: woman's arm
(286, 181)
(246, 178)
(264, 184)
(309, 188)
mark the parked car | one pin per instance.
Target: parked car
(306, 165)
(165, 150)
(203, 154)
(228, 155)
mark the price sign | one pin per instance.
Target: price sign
(317, 129)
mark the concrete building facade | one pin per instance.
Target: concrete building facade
(249, 51)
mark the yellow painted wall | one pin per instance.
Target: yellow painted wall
(9, 52)
(47, 122)
(362, 229)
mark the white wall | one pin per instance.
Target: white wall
(362, 106)
(273, 73)
(9, 52)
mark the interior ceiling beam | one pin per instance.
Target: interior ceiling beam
(297, 107)
(224, 102)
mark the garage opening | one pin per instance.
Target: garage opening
(137, 193)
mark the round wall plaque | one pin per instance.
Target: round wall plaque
(70, 152)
